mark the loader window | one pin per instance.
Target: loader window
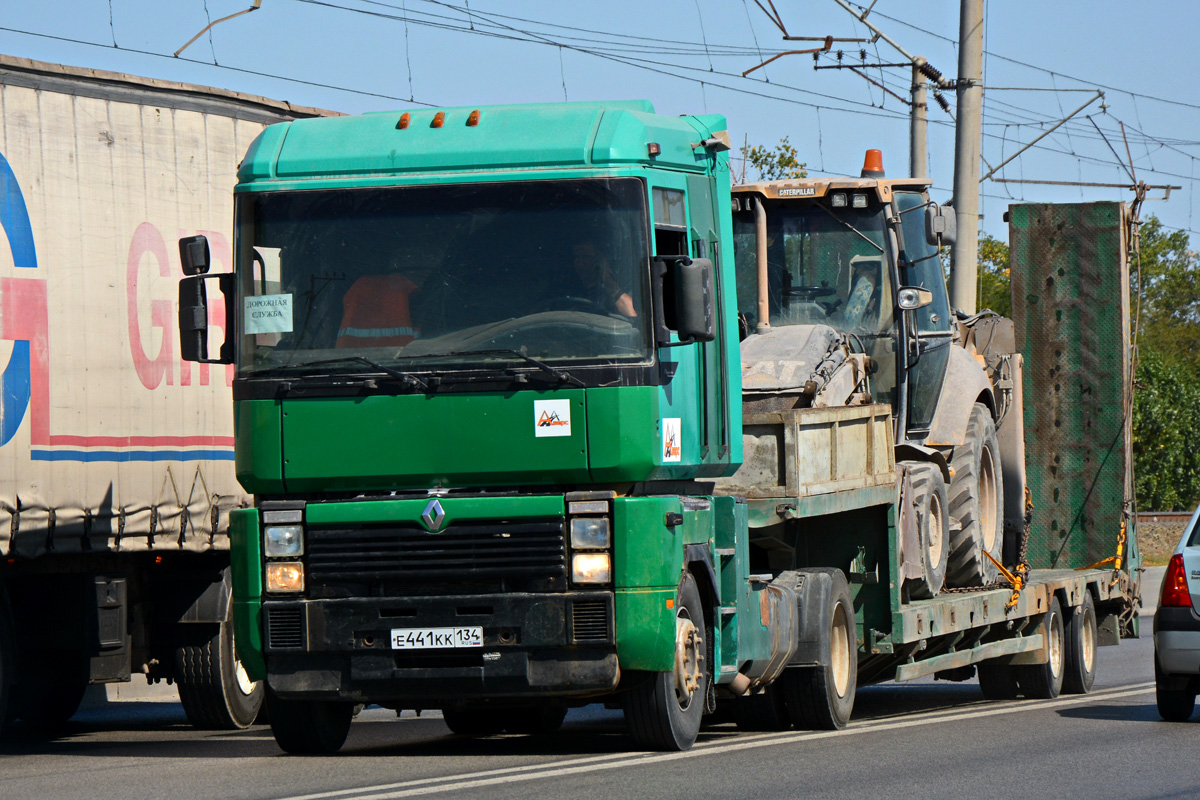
(824, 266)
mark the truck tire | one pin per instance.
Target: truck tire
(933, 528)
(997, 681)
(822, 697)
(309, 727)
(765, 711)
(1174, 704)
(663, 710)
(977, 502)
(214, 689)
(1044, 681)
(474, 720)
(1079, 635)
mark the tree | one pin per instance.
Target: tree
(995, 288)
(1170, 305)
(773, 164)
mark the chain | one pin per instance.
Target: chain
(1016, 577)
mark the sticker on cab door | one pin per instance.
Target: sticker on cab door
(672, 438)
(551, 418)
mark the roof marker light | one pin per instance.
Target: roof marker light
(439, 119)
(473, 120)
(402, 125)
(653, 148)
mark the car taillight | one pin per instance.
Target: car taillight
(1175, 586)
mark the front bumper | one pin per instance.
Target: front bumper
(534, 646)
(1177, 640)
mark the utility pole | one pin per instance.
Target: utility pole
(918, 146)
(964, 251)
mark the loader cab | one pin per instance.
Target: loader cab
(837, 252)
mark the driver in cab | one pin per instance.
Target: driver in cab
(597, 282)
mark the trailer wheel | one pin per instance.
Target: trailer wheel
(765, 711)
(933, 528)
(1174, 705)
(537, 721)
(1080, 636)
(997, 681)
(822, 697)
(49, 690)
(663, 710)
(214, 688)
(977, 502)
(8, 665)
(473, 720)
(1044, 681)
(309, 727)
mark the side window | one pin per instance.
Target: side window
(670, 223)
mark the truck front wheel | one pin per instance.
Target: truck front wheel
(214, 689)
(822, 697)
(309, 727)
(663, 709)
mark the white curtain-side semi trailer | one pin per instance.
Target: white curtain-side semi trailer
(116, 457)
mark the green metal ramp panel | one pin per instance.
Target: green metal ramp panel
(1070, 293)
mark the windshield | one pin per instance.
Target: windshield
(417, 278)
(824, 266)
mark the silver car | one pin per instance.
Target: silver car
(1177, 630)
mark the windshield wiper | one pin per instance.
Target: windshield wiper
(560, 374)
(847, 225)
(404, 377)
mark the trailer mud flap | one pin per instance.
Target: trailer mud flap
(814, 590)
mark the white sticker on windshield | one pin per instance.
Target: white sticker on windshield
(268, 313)
(672, 439)
(552, 417)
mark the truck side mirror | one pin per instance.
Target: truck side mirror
(941, 225)
(193, 318)
(695, 300)
(685, 300)
(193, 255)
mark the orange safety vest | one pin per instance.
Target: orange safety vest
(376, 313)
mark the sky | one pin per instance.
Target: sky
(1042, 61)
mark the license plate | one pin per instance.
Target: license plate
(436, 638)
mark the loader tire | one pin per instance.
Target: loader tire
(977, 503)
(933, 528)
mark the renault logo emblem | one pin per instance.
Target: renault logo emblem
(433, 515)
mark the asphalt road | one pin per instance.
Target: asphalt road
(917, 740)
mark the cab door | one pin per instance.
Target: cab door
(929, 330)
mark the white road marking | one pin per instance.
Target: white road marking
(575, 766)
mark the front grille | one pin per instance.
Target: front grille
(589, 621)
(285, 628)
(463, 554)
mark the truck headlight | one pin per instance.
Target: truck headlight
(285, 576)
(282, 541)
(590, 533)
(591, 568)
